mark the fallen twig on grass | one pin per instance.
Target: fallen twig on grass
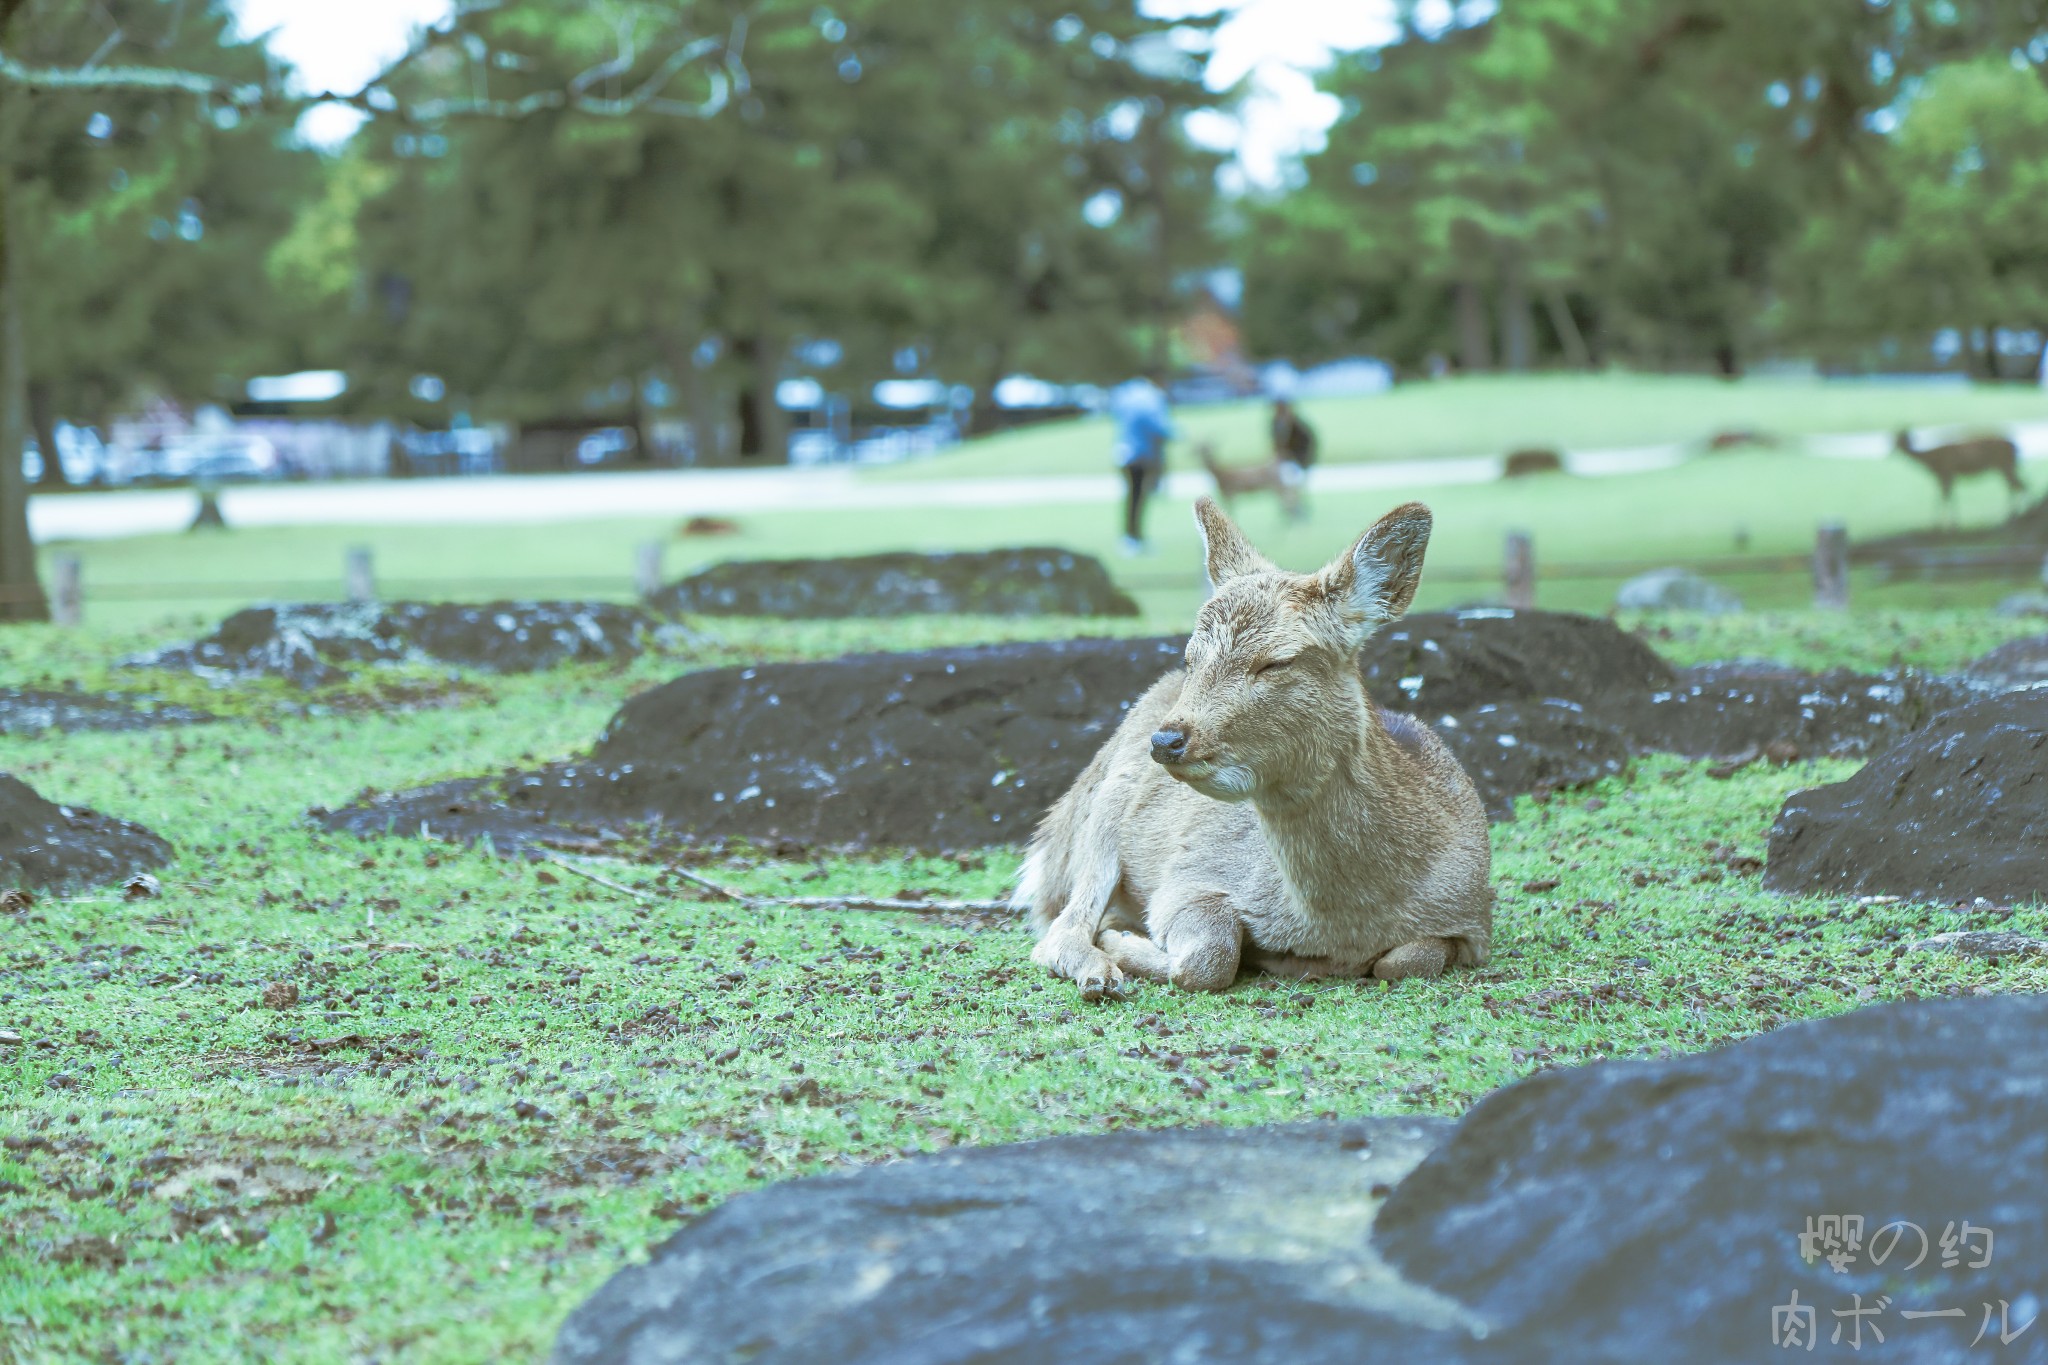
(588, 875)
(846, 902)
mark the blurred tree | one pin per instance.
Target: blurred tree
(1946, 228)
(183, 317)
(127, 224)
(1642, 169)
(902, 179)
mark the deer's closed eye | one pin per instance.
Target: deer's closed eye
(1270, 666)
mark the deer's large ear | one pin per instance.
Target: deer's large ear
(1227, 552)
(1375, 580)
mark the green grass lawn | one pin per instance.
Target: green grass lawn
(1600, 530)
(500, 1081)
(1491, 415)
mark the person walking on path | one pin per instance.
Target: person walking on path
(1143, 427)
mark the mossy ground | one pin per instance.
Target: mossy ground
(500, 1081)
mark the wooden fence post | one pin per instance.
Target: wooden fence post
(1831, 567)
(358, 572)
(67, 603)
(647, 568)
(1518, 571)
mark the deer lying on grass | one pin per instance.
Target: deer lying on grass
(1283, 478)
(1258, 808)
(1961, 459)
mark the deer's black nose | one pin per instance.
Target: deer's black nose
(1169, 745)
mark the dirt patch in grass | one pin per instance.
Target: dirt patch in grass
(957, 748)
(1033, 581)
(313, 644)
(46, 847)
(29, 711)
(1957, 811)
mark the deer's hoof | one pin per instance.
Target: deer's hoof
(1100, 983)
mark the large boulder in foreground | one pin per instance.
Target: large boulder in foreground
(2017, 663)
(1246, 1246)
(1656, 1210)
(48, 847)
(1032, 581)
(314, 643)
(954, 748)
(1622, 1211)
(1956, 811)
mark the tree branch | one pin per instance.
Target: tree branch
(375, 98)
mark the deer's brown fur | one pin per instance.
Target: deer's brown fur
(1300, 828)
(1961, 459)
(1282, 478)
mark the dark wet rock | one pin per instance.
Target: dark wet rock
(27, 711)
(1616, 1212)
(1439, 662)
(1675, 590)
(2019, 663)
(1955, 811)
(1248, 1246)
(312, 644)
(1515, 747)
(943, 749)
(1989, 944)
(48, 847)
(1746, 706)
(1034, 581)
(1654, 1210)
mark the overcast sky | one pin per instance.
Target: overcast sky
(339, 44)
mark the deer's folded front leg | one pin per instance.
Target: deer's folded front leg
(1068, 950)
(1195, 941)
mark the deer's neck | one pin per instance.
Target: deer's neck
(1334, 833)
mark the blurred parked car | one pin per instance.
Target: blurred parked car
(222, 456)
(81, 453)
(607, 445)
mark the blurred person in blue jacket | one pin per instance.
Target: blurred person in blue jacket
(1143, 427)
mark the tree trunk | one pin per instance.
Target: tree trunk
(1475, 348)
(21, 591)
(679, 345)
(42, 416)
(1517, 342)
(764, 429)
(762, 424)
(986, 416)
(1567, 328)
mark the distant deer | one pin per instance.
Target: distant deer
(1960, 459)
(1282, 478)
(1258, 808)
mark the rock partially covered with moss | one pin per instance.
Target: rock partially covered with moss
(1032, 581)
(315, 643)
(45, 846)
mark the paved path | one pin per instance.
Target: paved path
(724, 492)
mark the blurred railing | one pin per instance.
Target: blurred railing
(1517, 575)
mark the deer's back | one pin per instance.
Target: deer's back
(1988, 455)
